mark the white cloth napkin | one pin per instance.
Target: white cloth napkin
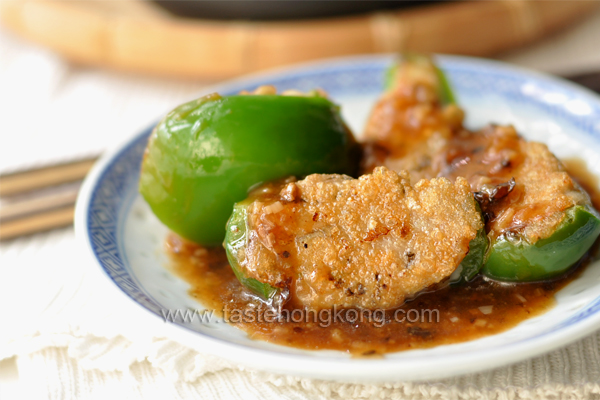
(73, 339)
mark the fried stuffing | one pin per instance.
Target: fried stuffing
(522, 187)
(409, 126)
(371, 242)
(528, 185)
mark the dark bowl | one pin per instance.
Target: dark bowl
(279, 9)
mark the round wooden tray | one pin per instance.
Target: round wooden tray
(140, 36)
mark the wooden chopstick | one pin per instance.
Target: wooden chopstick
(38, 204)
(21, 182)
(44, 221)
(38, 200)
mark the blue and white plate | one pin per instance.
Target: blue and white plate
(125, 239)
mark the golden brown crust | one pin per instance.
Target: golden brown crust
(543, 192)
(369, 242)
(543, 189)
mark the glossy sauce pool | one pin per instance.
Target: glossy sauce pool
(451, 315)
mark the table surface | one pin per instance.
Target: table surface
(53, 84)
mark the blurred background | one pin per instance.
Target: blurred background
(78, 77)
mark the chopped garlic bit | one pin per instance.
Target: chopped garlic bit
(270, 240)
(454, 319)
(289, 192)
(521, 298)
(293, 92)
(312, 93)
(272, 90)
(336, 335)
(264, 89)
(319, 92)
(486, 309)
(273, 208)
(480, 322)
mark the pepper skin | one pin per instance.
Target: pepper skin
(205, 155)
(235, 241)
(473, 261)
(515, 260)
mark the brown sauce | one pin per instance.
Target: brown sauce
(450, 315)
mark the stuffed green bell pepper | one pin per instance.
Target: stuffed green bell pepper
(373, 242)
(205, 155)
(539, 222)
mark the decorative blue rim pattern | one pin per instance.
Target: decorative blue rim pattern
(116, 186)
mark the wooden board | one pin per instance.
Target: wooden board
(139, 36)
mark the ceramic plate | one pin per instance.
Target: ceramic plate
(126, 240)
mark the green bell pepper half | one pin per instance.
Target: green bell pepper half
(205, 155)
(515, 260)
